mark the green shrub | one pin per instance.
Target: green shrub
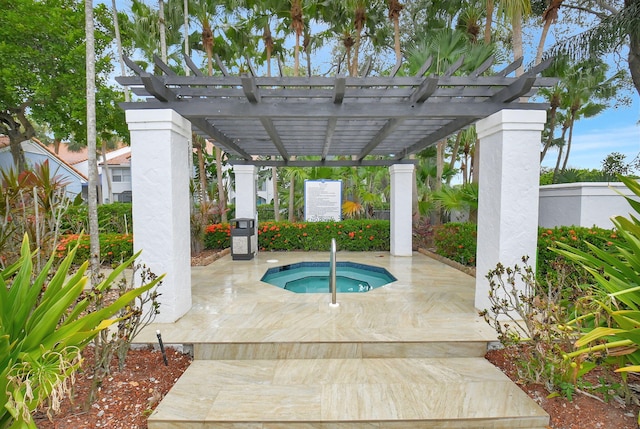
(114, 248)
(113, 218)
(217, 236)
(352, 235)
(44, 324)
(579, 238)
(265, 212)
(457, 241)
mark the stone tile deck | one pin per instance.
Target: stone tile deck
(405, 355)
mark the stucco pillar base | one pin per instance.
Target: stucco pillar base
(401, 209)
(508, 193)
(160, 190)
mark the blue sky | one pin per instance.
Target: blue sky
(615, 130)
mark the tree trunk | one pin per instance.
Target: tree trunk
(454, 154)
(222, 196)
(356, 51)
(554, 178)
(396, 39)
(105, 170)
(276, 198)
(566, 157)
(552, 128)
(116, 27)
(17, 153)
(488, 22)
(15, 121)
(543, 38)
(94, 238)
(634, 56)
(296, 57)
(516, 39)
(187, 71)
(292, 197)
(437, 220)
(163, 32)
(202, 175)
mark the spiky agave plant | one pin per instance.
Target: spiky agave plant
(44, 325)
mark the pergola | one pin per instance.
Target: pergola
(332, 121)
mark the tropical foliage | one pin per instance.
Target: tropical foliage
(616, 273)
(44, 325)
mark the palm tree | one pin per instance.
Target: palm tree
(549, 17)
(587, 90)
(559, 68)
(613, 30)
(515, 11)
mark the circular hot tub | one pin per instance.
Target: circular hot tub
(313, 277)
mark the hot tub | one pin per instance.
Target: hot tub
(313, 277)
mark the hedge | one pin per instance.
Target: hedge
(457, 241)
(115, 218)
(355, 235)
(114, 248)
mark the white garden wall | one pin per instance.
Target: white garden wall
(582, 204)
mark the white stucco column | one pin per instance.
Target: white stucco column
(401, 215)
(160, 190)
(246, 194)
(508, 192)
(246, 190)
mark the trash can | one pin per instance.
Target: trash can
(243, 239)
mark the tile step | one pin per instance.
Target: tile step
(395, 393)
(338, 350)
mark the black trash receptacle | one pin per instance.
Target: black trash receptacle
(243, 239)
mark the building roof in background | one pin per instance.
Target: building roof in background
(5, 142)
(123, 159)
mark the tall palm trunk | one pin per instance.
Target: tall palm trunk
(454, 153)
(292, 197)
(359, 21)
(163, 32)
(516, 39)
(556, 170)
(276, 198)
(105, 170)
(395, 7)
(94, 240)
(572, 121)
(202, 147)
(488, 22)
(116, 27)
(555, 103)
(222, 196)
(549, 16)
(187, 71)
(268, 43)
(297, 23)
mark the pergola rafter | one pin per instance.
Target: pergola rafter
(371, 120)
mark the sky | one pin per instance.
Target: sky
(617, 129)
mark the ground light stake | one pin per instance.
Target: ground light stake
(164, 354)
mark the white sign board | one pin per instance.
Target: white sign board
(322, 200)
